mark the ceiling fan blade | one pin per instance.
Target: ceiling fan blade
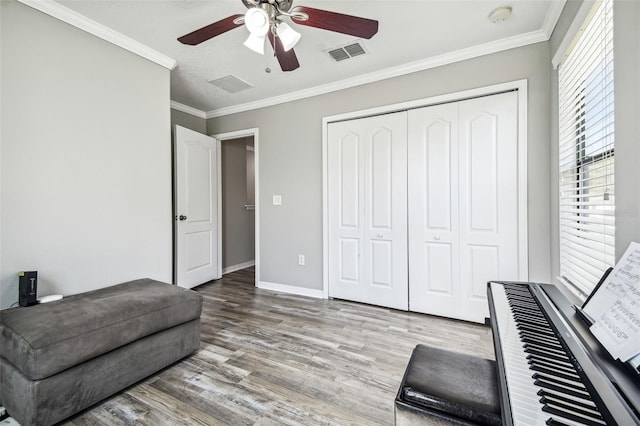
(210, 31)
(338, 22)
(287, 59)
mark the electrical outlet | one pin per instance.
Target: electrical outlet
(301, 259)
(277, 200)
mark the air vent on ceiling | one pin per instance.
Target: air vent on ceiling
(231, 84)
(346, 52)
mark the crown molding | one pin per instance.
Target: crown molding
(187, 109)
(553, 14)
(71, 17)
(433, 62)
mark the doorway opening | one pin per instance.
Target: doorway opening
(238, 201)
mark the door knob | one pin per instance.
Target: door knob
(380, 235)
(437, 237)
(182, 217)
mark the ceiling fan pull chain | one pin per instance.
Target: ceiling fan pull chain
(267, 69)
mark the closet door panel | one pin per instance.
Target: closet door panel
(439, 170)
(380, 184)
(439, 280)
(479, 141)
(433, 205)
(463, 211)
(382, 263)
(482, 267)
(349, 260)
(488, 197)
(349, 181)
(370, 222)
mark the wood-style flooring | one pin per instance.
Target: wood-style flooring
(270, 358)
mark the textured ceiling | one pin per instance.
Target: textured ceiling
(411, 34)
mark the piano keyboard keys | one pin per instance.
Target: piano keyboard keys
(562, 366)
(549, 365)
(560, 381)
(567, 414)
(547, 355)
(580, 402)
(560, 386)
(556, 373)
(536, 363)
(559, 421)
(564, 363)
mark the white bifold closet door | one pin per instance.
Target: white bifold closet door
(423, 206)
(462, 204)
(367, 208)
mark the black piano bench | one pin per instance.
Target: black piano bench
(442, 387)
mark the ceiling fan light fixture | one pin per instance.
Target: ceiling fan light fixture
(288, 36)
(255, 43)
(500, 14)
(257, 21)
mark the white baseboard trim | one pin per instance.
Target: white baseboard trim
(238, 267)
(290, 289)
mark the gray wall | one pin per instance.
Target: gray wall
(627, 125)
(187, 120)
(626, 53)
(238, 223)
(85, 167)
(290, 156)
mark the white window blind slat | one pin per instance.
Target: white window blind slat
(586, 267)
(586, 152)
(593, 242)
(607, 221)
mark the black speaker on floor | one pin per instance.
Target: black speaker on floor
(27, 288)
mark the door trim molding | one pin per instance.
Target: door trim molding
(220, 137)
(519, 85)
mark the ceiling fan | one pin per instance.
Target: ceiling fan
(265, 19)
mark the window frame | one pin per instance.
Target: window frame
(583, 160)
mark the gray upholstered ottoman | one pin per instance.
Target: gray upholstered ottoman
(61, 357)
(442, 387)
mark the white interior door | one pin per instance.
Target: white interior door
(196, 239)
(488, 198)
(367, 190)
(434, 273)
(463, 204)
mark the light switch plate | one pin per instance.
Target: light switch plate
(277, 200)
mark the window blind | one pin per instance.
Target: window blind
(586, 126)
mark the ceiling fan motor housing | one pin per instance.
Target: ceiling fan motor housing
(280, 5)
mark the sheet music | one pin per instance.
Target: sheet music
(615, 307)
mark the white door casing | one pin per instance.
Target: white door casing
(196, 239)
(463, 204)
(367, 221)
(221, 138)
